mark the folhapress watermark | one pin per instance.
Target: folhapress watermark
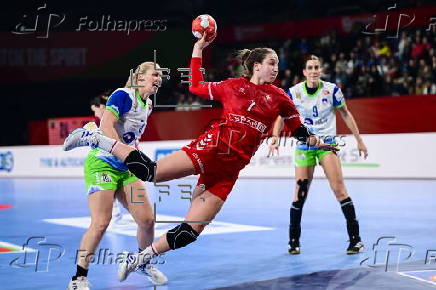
(38, 254)
(42, 21)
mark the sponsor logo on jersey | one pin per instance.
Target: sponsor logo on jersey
(6, 161)
(308, 121)
(321, 121)
(267, 97)
(326, 92)
(259, 126)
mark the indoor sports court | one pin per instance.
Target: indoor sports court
(244, 248)
(355, 87)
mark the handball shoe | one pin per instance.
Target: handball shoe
(294, 247)
(131, 264)
(355, 247)
(81, 137)
(81, 283)
(153, 274)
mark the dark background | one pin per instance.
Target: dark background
(30, 100)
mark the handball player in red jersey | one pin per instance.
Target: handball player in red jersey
(251, 105)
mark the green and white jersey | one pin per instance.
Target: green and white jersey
(317, 110)
(132, 113)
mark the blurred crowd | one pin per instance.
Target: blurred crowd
(362, 66)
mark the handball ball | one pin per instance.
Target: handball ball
(204, 24)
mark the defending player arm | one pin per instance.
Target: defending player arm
(117, 105)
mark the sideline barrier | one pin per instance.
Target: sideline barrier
(390, 156)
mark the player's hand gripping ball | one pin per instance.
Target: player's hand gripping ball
(204, 24)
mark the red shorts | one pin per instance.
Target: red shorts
(218, 172)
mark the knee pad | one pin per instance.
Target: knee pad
(302, 192)
(181, 236)
(140, 165)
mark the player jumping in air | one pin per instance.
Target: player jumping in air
(251, 105)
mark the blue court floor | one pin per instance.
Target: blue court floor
(246, 246)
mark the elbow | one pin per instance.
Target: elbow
(194, 90)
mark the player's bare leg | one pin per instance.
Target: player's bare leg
(135, 199)
(203, 210)
(100, 206)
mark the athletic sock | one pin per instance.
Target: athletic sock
(295, 217)
(80, 272)
(105, 143)
(350, 215)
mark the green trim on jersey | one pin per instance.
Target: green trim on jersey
(99, 175)
(113, 111)
(341, 105)
(315, 93)
(304, 158)
(140, 100)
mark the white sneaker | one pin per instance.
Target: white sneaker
(81, 283)
(81, 137)
(153, 274)
(130, 263)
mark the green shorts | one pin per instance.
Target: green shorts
(99, 175)
(309, 157)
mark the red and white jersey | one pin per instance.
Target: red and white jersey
(249, 112)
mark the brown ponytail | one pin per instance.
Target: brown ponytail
(250, 57)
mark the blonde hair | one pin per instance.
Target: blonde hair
(140, 69)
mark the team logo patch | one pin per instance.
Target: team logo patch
(106, 178)
(326, 92)
(325, 101)
(102, 177)
(308, 121)
(298, 95)
(115, 108)
(301, 157)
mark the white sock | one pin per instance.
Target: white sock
(105, 143)
(147, 255)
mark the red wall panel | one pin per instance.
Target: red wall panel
(403, 114)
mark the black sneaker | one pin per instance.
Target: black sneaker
(294, 247)
(355, 247)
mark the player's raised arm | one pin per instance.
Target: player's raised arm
(198, 86)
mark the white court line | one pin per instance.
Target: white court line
(21, 250)
(128, 227)
(417, 278)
